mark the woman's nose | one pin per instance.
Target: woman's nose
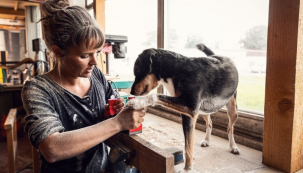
(93, 60)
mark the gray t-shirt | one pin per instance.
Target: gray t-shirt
(51, 108)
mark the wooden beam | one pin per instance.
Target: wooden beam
(16, 5)
(10, 11)
(160, 34)
(99, 12)
(10, 27)
(283, 120)
(14, 18)
(160, 40)
(148, 157)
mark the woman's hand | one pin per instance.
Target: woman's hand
(119, 104)
(130, 118)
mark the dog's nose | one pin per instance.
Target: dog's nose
(132, 92)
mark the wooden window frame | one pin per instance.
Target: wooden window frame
(282, 139)
(282, 142)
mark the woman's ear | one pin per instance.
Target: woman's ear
(57, 51)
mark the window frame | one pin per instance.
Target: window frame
(252, 138)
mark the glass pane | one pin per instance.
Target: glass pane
(137, 20)
(232, 28)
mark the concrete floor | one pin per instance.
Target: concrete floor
(213, 159)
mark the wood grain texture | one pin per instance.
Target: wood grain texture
(148, 157)
(297, 141)
(10, 126)
(9, 122)
(99, 12)
(160, 35)
(11, 11)
(160, 38)
(283, 113)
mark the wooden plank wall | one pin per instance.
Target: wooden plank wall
(99, 12)
(283, 120)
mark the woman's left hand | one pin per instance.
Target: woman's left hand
(119, 104)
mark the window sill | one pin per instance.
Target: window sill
(248, 128)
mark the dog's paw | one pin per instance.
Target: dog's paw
(135, 103)
(142, 101)
(205, 144)
(235, 150)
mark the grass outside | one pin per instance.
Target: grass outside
(251, 92)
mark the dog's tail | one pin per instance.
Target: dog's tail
(205, 49)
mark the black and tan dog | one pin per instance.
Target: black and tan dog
(197, 86)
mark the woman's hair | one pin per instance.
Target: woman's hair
(65, 26)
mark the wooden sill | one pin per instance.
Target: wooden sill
(248, 128)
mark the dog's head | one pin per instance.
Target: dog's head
(145, 79)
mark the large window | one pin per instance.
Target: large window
(232, 28)
(137, 20)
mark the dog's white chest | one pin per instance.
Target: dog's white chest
(169, 86)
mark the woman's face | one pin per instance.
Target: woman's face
(79, 63)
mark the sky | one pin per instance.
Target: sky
(214, 20)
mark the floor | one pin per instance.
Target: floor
(213, 159)
(24, 151)
(165, 133)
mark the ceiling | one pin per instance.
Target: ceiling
(12, 12)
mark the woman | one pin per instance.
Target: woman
(65, 107)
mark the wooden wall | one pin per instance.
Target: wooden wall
(283, 114)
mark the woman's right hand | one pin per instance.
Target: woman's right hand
(129, 118)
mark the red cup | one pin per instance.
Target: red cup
(111, 103)
(131, 97)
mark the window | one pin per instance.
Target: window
(137, 20)
(232, 28)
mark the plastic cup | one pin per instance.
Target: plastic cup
(111, 103)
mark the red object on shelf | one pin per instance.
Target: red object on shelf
(107, 48)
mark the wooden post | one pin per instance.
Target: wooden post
(99, 12)
(283, 120)
(10, 126)
(160, 35)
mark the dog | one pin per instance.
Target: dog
(197, 86)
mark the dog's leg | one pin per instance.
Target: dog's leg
(188, 125)
(209, 126)
(232, 115)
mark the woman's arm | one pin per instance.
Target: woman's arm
(60, 146)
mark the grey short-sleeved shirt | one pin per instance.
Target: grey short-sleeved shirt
(51, 108)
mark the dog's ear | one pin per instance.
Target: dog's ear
(151, 54)
(143, 64)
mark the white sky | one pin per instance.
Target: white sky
(213, 20)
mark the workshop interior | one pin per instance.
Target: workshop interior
(263, 38)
